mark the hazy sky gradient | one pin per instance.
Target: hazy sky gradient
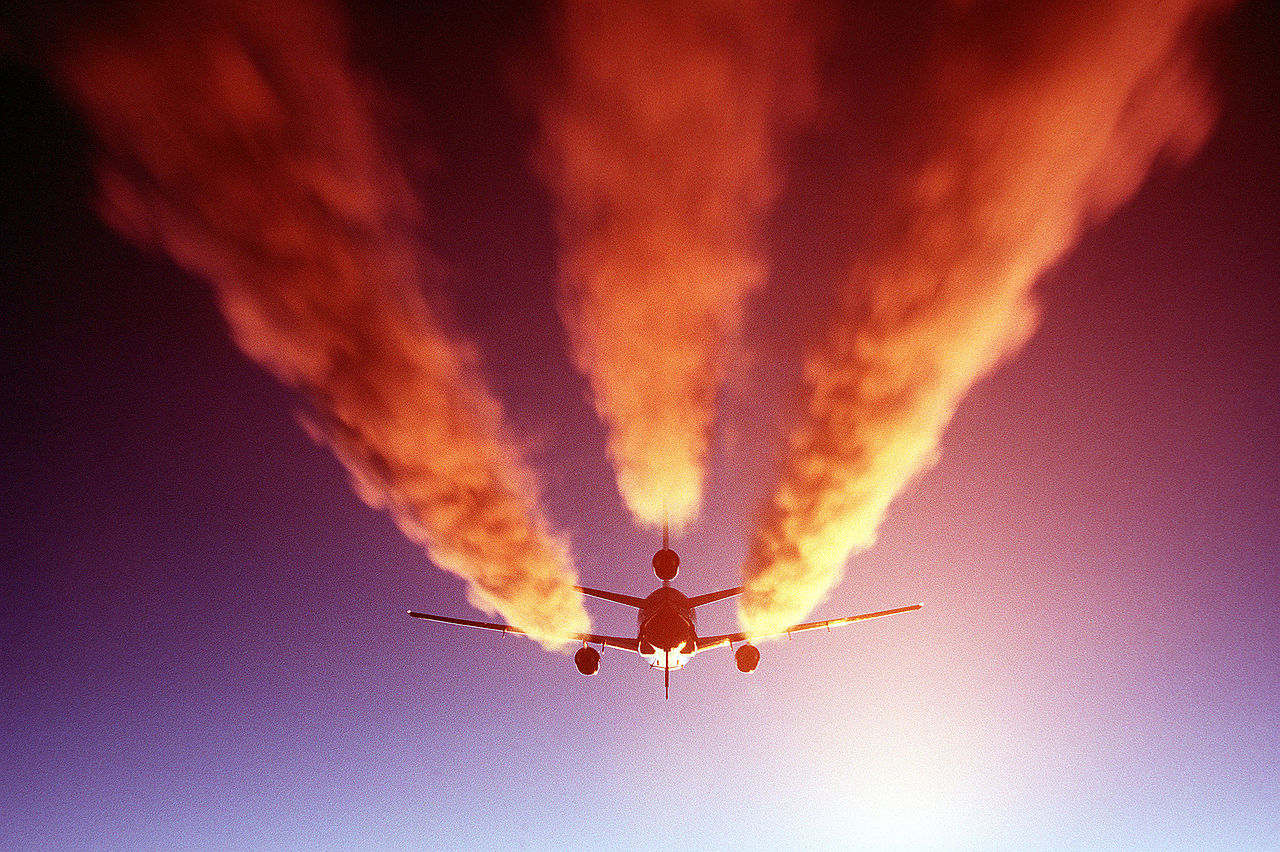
(205, 639)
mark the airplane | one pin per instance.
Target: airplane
(667, 633)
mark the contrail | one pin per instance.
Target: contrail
(660, 143)
(1043, 119)
(236, 138)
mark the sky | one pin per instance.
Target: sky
(206, 644)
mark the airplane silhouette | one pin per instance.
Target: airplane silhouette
(667, 633)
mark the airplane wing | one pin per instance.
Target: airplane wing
(631, 644)
(707, 642)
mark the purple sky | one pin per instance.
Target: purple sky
(204, 632)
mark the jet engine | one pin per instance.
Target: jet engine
(588, 660)
(747, 657)
(666, 564)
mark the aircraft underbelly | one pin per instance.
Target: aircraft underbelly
(667, 640)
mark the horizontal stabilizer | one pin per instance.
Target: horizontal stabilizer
(712, 597)
(625, 600)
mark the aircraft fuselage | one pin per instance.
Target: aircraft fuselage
(667, 629)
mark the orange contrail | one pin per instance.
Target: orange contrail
(1043, 119)
(660, 143)
(236, 138)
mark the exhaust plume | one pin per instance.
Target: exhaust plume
(660, 146)
(1043, 120)
(235, 138)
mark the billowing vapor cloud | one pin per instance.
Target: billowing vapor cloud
(660, 143)
(236, 138)
(1043, 119)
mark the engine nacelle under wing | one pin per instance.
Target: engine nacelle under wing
(587, 660)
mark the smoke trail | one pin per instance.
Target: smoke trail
(236, 138)
(660, 146)
(1044, 119)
